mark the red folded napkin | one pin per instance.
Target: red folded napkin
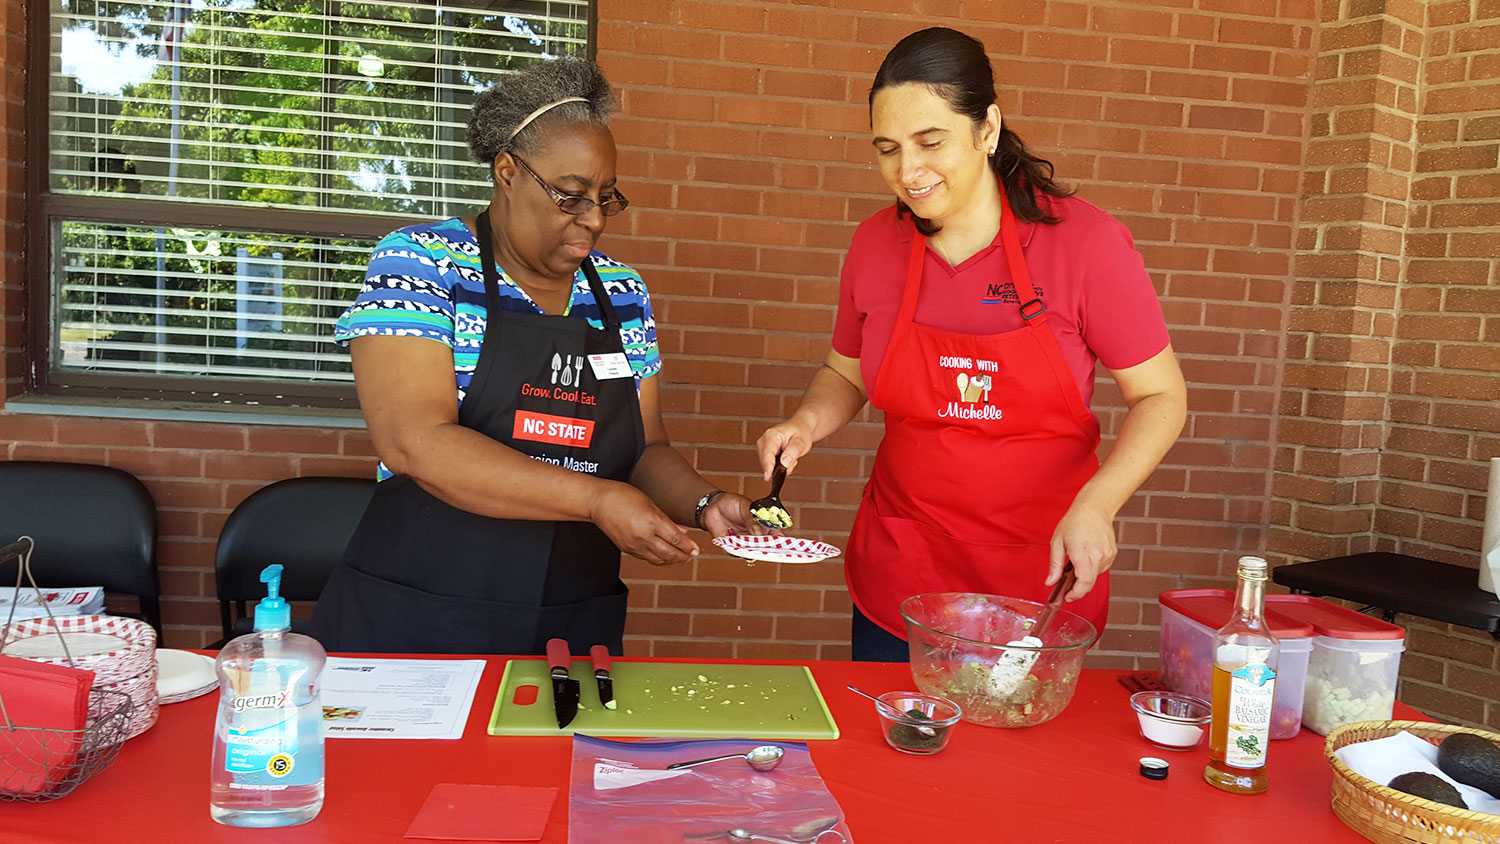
(484, 813)
(45, 710)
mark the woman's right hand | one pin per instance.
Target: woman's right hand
(638, 527)
(788, 439)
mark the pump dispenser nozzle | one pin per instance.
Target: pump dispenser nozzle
(273, 612)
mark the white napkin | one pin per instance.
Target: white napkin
(1382, 760)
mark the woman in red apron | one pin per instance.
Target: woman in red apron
(501, 516)
(975, 310)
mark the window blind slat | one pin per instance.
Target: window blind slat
(208, 295)
(578, 9)
(189, 315)
(211, 369)
(210, 34)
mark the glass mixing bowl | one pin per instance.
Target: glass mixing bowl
(957, 637)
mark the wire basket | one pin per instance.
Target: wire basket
(1387, 816)
(38, 764)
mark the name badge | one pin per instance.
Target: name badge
(610, 366)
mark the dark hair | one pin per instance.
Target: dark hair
(504, 105)
(954, 67)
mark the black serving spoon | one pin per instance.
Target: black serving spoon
(769, 511)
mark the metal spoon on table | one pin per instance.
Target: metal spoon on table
(769, 511)
(814, 832)
(904, 716)
(762, 758)
(751, 835)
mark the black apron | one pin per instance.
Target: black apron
(422, 576)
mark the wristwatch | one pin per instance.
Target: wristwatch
(703, 505)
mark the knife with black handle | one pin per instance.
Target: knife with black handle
(600, 657)
(564, 688)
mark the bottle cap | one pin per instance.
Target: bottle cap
(1153, 768)
(273, 612)
(1253, 568)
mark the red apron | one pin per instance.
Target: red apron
(987, 441)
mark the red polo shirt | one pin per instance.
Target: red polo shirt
(1100, 302)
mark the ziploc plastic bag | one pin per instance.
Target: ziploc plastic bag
(621, 791)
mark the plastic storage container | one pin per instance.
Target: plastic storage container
(1351, 675)
(1189, 618)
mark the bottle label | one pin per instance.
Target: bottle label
(1251, 690)
(261, 740)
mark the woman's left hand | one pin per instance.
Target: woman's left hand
(1086, 536)
(729, 513)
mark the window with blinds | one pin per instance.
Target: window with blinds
(246, 150)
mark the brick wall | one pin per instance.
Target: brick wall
(1389, 402)
(1445, 398)
(745, 129)
(744, 137)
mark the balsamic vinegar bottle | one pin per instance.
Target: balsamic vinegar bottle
(1244, 686)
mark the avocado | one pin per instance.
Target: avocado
(1472, 760)
(1429, 787)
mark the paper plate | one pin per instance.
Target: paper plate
(777, 549)
(184, 675)
(142, 691)
(114, 648)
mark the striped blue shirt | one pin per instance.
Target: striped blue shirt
(426, 281)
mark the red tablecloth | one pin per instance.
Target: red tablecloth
(1074, 779)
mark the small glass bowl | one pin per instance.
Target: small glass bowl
(918, 736)
(1170, 720)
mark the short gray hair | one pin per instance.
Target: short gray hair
(504, 105)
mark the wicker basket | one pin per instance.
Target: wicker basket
(1388, 816)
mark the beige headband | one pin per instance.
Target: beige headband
(541, 111)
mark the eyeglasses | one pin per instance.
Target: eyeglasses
(574, 204)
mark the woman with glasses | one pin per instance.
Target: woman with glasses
(972, 312)
(507, 374)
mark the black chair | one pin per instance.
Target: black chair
(302, 523)
(93, 526)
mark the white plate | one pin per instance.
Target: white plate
(183, 675)
(777, 549)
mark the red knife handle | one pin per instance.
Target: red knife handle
(600, 655)
(558, 657)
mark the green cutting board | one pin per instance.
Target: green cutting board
(668, 699)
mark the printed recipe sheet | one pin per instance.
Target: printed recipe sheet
(398, 698)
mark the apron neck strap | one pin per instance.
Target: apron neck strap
(487, 264)
(1031, 304)
(486, 241)
(1010, 243)
(601, 296)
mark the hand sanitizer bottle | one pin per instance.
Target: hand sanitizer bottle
(268, 738)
